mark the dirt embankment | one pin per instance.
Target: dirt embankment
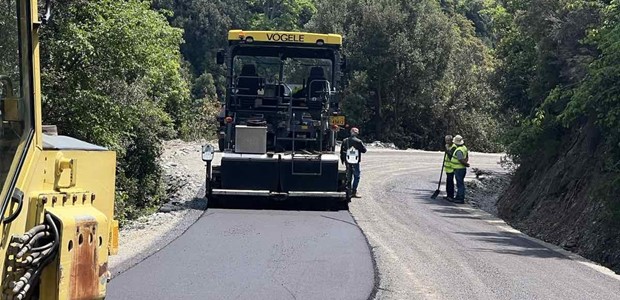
(567, 199)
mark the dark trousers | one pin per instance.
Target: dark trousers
(459, 174)
(450, 185)
(353, 172)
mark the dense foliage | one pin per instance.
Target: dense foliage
(418, 72)
(598, 95)
(559, 71)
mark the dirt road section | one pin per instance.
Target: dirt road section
(433, 249)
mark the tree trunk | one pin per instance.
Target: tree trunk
(378, 113)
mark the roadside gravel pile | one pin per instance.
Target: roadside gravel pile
(376, 145)
(184, 175)
(382, 145)
(485, 188)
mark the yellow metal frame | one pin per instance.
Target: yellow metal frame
(285, 37)
(79, 195)
(28, 92)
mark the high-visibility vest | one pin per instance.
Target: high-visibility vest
(447, 160)
(456, 164)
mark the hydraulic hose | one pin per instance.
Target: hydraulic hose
(30, 260)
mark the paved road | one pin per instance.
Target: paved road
(433, 249)
(424, 249)
(256, 254)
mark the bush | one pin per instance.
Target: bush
(112, 76)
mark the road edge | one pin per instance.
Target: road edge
(163, 241)
(373, 259)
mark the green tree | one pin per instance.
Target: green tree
(542, 59)
(9, 56)
(112, 76)
(425, 72)
(205, 24)
(280, 14)
(598, 96)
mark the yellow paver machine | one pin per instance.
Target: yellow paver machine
(57, 192)
(281, 117)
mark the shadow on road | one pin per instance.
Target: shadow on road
(451, 211)
(413, 192)
(513, 244)
(503, 242)
(257, 203)
(449, 208)
(197, 203)
(466, 217)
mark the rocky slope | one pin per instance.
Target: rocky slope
(568, 200)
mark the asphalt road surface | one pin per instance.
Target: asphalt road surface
(424, 249)
(256, 254)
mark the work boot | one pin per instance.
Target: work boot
(355, 195)
(448, 198)
(458, 201)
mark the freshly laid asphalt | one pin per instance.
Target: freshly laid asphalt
(256, 254)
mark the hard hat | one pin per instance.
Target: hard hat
(458, 140)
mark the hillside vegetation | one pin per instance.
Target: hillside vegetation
(559, 82)
(536, 78)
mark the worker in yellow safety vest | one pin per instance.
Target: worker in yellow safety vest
(447, 165)
(460, 163)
